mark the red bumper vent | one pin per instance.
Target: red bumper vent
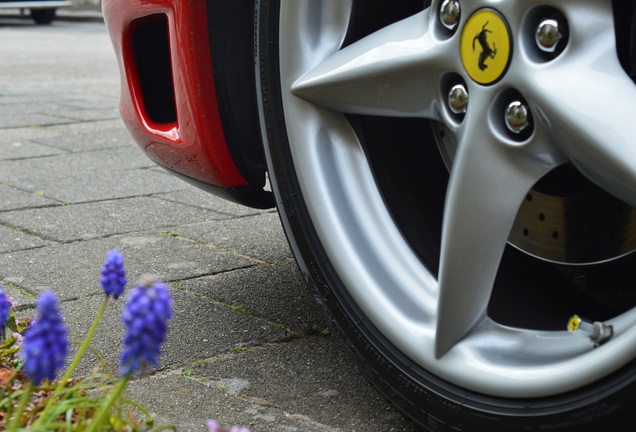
(151, 50)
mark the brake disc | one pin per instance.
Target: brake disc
(565, 218)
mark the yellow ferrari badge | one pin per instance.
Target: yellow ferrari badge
(485, 46)
(574, 323)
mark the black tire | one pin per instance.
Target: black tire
(43, 16)
(431, 403)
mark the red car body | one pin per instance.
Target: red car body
(169, 101)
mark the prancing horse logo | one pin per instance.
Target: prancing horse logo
(486, 51)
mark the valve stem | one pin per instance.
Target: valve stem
(598, 332)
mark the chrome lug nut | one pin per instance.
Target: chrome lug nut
(450, 13)
(458, 99)
(548, 35)
(517, 117)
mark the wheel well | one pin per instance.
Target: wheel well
(231, 33)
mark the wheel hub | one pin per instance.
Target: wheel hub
(565, 218)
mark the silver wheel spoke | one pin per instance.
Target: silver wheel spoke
(393, 72)
(593, 127)
(489, 180)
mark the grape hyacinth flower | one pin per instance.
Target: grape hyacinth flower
(19, 339)
(5, 308)
(113, 274)
(147, 309)
(213, 426)
(45, 342)
(113, 282)
(145, 314)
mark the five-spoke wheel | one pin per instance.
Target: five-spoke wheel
(456, 182)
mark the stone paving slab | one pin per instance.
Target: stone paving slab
(84, 69)
(15, 199)
(72, 270)
(199, 329)
(97, 128)
(199, 401)
(19, 135)
(263, 399)
(76, 13)
(70, 140)
(101, 185)
(274, 291)
(304, 385)
(268, 243)
(12, 240)
(104, 218)
(20, 111)
(30, 118)
(24, 149)
(109, 160)
(78, 113)
(23, 299)
(21, 169)
(205, 200)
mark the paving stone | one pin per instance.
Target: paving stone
(29, 119)
(275, 292)
(52, 112)
(12, 240)
(97, 127)
(14, 199)
(88, 69)
(100, 219)
(199, 329)
(72, 270)
(14, 96)
(298, 378)
(101, 185)
(259, 236)
(9, 136)
(83, 114)
(24, 149)
(188, 403)
(24, 300)
(109, 160)
(90, 103)
(206, 200)
(97, 139)
(24, 169)
(21, 109)
(73, 137)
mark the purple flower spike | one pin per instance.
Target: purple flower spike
(145, 314)
(213, 426)
(113, 274)
(239, 429)
(5, 308)
(45, 342)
